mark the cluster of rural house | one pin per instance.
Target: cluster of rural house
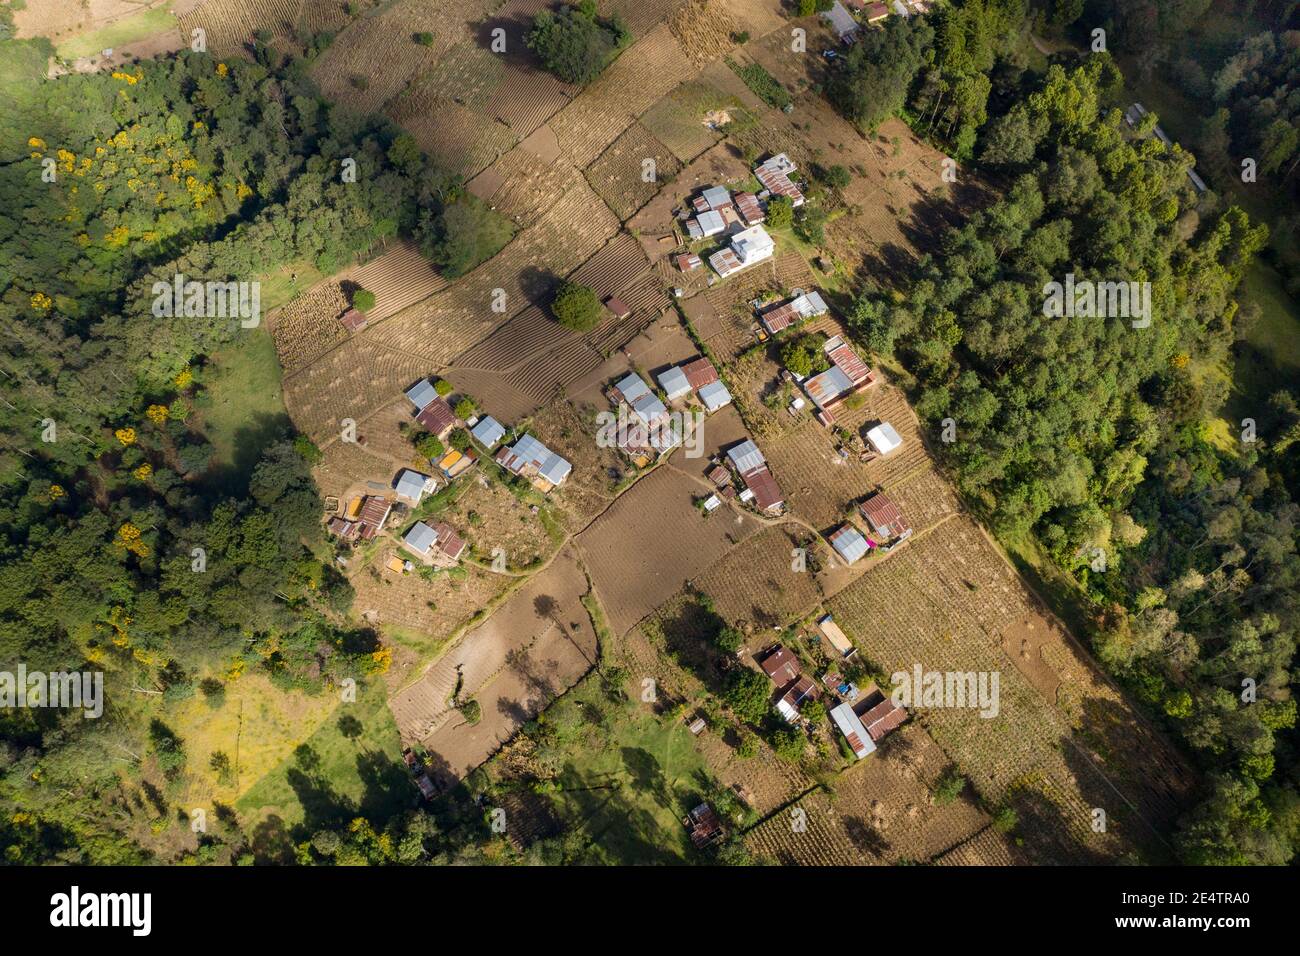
(716, 211)
(886, 526)
(863, 720)
(847, 16)
(653, 433)
(439, 544)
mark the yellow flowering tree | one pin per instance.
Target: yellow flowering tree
(157, 414)
(144, 472)
(126, 436)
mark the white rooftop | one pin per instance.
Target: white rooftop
(884, 438)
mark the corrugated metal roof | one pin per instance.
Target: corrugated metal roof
(711, 223)
(883, 718)
(410, 484)
(420, 537)
(555, 469)
(437, 416)
(835, 635)
(827, 386)
(488, 431)
(421, 393)
(850, 543)
(746, 457)
(884, 438)
(763, 484)
(699, 372)
(884, 515)
(716, 196)
(632, 387)
(675, 383)
(853, 730)
(847, 360)
(714, 395)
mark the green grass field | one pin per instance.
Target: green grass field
(350, 766)
(627, 787)
(242, 407)
(138, 26)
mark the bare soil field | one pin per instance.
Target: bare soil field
(755, 583)
(651, 541)
(459, 139)
(620, 176)
(942, 602)
(538, 643)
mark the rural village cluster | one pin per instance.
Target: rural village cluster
(618, 438)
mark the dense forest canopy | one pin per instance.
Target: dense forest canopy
(123, 548)
(1092, 433)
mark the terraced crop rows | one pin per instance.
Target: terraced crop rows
(613, 267)
(820, 839)
(372, 60)
(525, 99)
(918, 607)
(756, 582)
(651, 540)
(229, 24)
(639, 16)
(448, 323)
(352, 381)
(677, 120)
(704, 29)
(494, 392)
(619, 176)
(399, 277)
(545, 375)
(528, 185)
(308, 326)
(457, 138)
(531, 331)
(630, 86)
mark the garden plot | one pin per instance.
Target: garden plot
(651, 541)
(448, 323)
(929, 604)
(550, 601)
(628, 87)
(620, 176)
(399, 276)
(416, 612)
(381, 435)
(489, 516)
(352, 381)
(821, 840)
(229, 24)
(309, 326)
(756, 582)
